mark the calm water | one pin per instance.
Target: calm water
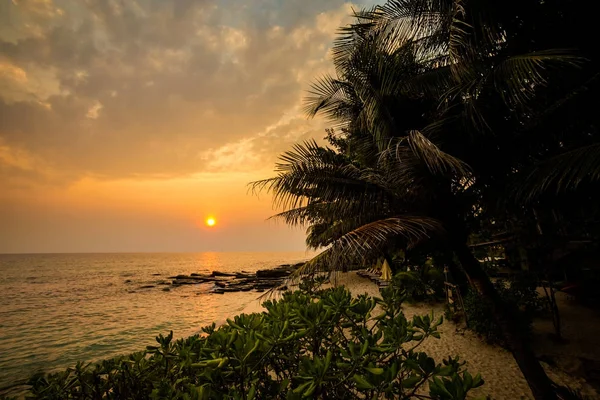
(57, 309)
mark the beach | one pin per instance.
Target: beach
(503, 379)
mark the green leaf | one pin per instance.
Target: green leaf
(411, 382)
(362, 382)
(310, 390)
(252, 392)
(375, 371)
(302, 387)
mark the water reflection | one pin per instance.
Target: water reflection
(57, 309)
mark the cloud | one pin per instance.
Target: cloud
(113, 89)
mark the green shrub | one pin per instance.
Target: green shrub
(308, 344)
(519, 293)
(480, 319)
(423, 283)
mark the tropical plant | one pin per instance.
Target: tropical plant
(429, 99)
(519, 292)
(310, 343)
(422, 282)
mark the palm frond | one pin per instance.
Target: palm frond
(437, 161)
(518, 77)
(313, 181)
(368, 240)
(561, 173)
(373, 235)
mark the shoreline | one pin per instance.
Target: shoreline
(503, 379)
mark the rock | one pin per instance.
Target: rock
(268, 284)
(156, 274)
(218, 273)
(220, 284)
(147, 287)
(178, 277)
(186, 282)
(245, 276)
(127, 280)
(273, 273)
(166, 289)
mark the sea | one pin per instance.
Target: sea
(58, 309)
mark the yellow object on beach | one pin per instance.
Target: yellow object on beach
(377, 265)
(386, 271)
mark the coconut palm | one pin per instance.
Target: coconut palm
(353, 209)
(417, 81)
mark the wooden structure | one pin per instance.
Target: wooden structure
(454, 300)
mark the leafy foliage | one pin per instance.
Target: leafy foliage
(310, 343)
(423, 282)
(451, 114)
(519, 293)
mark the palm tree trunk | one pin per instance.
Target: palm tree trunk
(540, 384)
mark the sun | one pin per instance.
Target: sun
(210, 221)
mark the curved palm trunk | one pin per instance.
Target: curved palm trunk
(536, 377)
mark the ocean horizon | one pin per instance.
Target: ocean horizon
(61, 308)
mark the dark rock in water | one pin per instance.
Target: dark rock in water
(196, 277)
(166, 289)
(156, 274)
(260, 281)
(273, 273)
(186, 282)
(267, 285)
(147, 287)
(127, 280)
(218, 273)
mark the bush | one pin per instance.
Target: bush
(519, 293)
(424, 283)
(308, 344)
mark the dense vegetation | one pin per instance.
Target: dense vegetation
(308, 344)
(520, 293)
(454, 122)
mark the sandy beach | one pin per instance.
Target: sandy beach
(503, 379)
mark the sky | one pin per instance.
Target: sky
(125, 124)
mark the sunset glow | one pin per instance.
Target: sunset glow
(211, 222)
(176, 109)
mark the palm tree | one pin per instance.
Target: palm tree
(353, 209)
(414, 77)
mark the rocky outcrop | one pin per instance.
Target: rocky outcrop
(243, 281)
